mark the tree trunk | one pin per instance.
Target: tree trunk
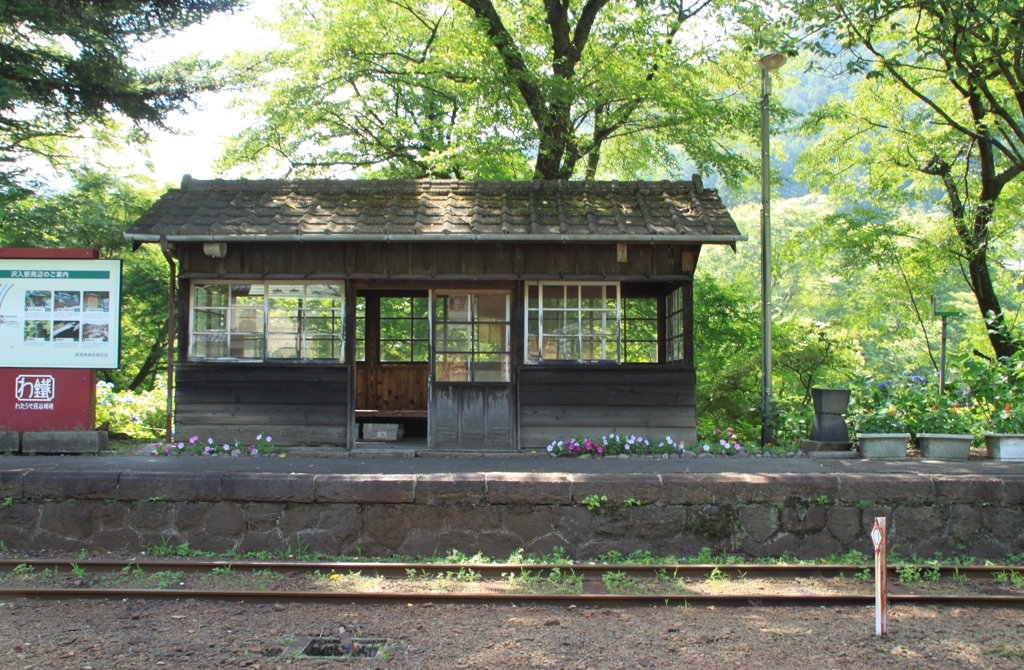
(985, 294)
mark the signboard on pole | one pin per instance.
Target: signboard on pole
(60, 313)
(881, 577)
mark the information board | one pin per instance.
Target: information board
(57, 313)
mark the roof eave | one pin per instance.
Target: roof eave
(456, 237)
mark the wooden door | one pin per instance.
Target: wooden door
(471, 390)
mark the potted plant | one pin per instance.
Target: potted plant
(1007, 442)
(879, 425)
(943, 427)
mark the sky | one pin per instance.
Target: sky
(204, 129)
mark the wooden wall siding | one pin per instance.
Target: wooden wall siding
(401, 386)
(439, 260)
(297, 405)
(654, 402)
(472, 416)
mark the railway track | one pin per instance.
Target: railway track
(498, 570)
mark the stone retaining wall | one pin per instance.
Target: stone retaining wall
(759, 515)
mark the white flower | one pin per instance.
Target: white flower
(209, 440)
(551, 447)
(260, 436)
(668, 438)
(227, 448)
(269, 439)
(706, 448)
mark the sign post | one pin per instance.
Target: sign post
(60, 315)
(881, 577)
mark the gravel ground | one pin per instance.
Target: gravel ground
(189, 634)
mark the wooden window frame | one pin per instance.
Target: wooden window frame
(435, 353)
(540, 360)
(266, 332)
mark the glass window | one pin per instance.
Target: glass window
(404, 330)
(572, 322)
(267, 320)
(640, 330)
(471, 335)
(674, 326)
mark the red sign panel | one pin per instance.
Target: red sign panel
(47, 399)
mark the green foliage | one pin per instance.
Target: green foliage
(136, 414)
(937, 116)
(65, 63)
(593, 501)
(480, 88)
(912, 403)
(93, 213)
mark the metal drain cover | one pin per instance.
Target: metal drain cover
(342, 645)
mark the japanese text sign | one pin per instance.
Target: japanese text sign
(59, 313)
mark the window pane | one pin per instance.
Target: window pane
(396, 351)
(458, 307)
(210, 319)
(324, 322)
(453, 337)
(420, 351)
(452, 367)
(284, 321)
(396, 308)
(420, 329)
(491, 307)
(324, 296)
(247, 346)
(492, 338)
(247, 295)
(640, 352)
(211, 295)
(283, 346)
(210, 345)
(593, 297)
(420, 308)
(395, 329)
(532, 293)
(491, 368)
(247, 321)
(554, 297)
(286, 295)
(361, 350)
(323, 348)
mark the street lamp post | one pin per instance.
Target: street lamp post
(769, 63)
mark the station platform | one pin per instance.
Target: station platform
(756, 507)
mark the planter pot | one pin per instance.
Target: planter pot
(1004, 447)
(945, 447)
(883, 445)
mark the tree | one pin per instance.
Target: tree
(65, 63)
(94, 214)
(478, 88)
(940, 110)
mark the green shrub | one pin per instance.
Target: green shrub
(134, 414)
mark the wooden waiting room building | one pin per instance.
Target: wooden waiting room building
(482, 316)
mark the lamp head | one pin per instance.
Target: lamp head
(771, 62)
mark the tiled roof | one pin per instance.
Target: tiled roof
(413, 210)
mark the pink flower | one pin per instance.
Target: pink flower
(193, 439)
(600, 450)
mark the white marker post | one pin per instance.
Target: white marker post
(881, 577)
